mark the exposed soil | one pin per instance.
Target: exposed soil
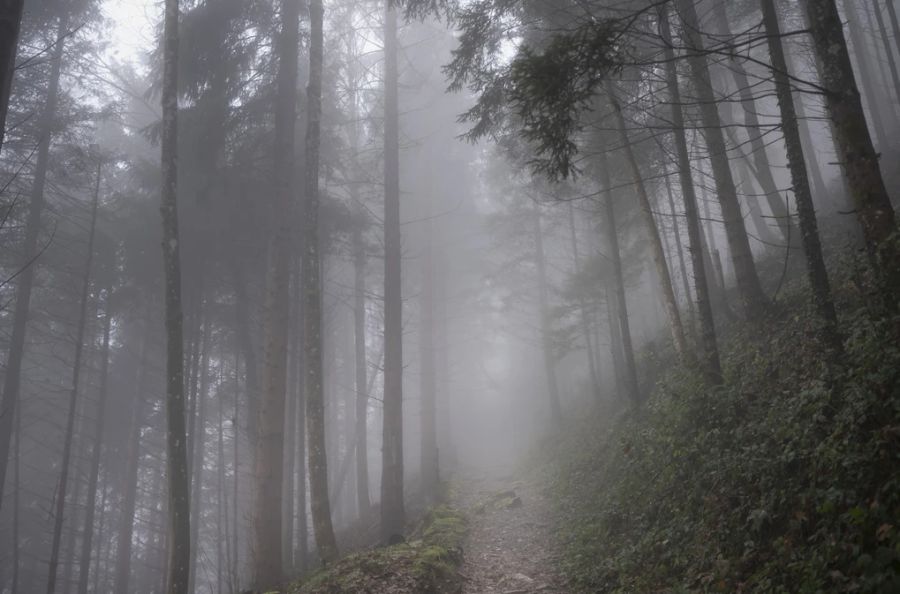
(510, 548)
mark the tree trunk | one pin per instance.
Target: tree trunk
(58, 515)
(866, 78)
(754, 130)
(269, 455)
(312, 301)
(624, 326)
(842, 100)
(895, 25)
(888, 50)
(656, 246)
(547, 347)
(13, 377)
(809, 228)
(393, 516)
(752, 297)
(430, 472)
(362, 394)
(583, 309)
(129, 496)
(198, 443)
(10, 22)
(708, 343)
(178, 483)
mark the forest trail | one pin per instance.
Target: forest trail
(510, 548)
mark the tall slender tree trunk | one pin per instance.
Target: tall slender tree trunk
(430, 472)
(122, 571)
(12, 379)
(269, 455)
(656, 247)
(393, 515)
(58, 516)
(809, 229)
(866, 79)
(583, 308)
(888, 50)
(754, 130)
(312, 301)
(752, 297)
(198, 443)
(10, 22)
(17, 489)
(624, 326)
(842, 100)
(895, 24)
(547, 347)
(178, 484)
(708, 343)
(362, 394)
(679, 247)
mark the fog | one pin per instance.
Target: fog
(412, 245)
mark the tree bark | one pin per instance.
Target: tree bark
(753, 299)
(10, 23)
(624, 326)
(430, 472)
(656, 247)
(548, 351)
(58, 516)
(583, 309)
(127, 505)
(393, 516)
(13, 377)
(754, 131)
(708, 343)
(178, 484)
(197, 447)
(269, 455)
(857, 153)
(362, 394)
(806, 213)
(312, 302)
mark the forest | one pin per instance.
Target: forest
(449, 296)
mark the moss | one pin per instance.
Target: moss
(426, 565)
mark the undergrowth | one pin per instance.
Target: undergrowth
(778, 481)
(427, 564)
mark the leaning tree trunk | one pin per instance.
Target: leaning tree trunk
(708, 343)
(179, 536)
(754, 130)
(809, 228)
(751, 292)
(656, 246)
(312, 301)
(866, 78)
(58, 516)
(624, 326)
(393, 516)
(10, 22)
(888, 50)
(857, 153)
(13, 376)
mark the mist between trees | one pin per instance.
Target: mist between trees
(271, 280)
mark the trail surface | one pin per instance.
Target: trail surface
(510, 547)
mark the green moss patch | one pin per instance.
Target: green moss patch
(427, 564)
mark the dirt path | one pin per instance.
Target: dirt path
(510, 548)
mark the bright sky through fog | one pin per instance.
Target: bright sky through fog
(133, 23)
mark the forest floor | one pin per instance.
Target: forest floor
(510, 548)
